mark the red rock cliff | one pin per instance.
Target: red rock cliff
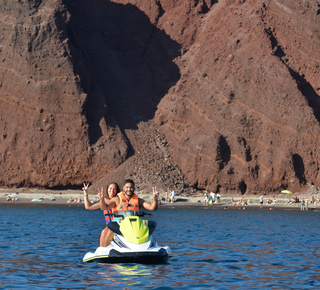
(220, 95)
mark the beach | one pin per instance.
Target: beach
(75, 198)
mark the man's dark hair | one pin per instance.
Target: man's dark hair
(128, 181)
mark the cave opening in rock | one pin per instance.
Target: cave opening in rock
(224, 152)
(299, 168)
(243, 187)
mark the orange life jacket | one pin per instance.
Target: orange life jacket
(124, 204)
(107, 213)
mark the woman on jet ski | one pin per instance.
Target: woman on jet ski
(127, 200)
(112, 190)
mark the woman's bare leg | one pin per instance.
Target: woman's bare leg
(103, 235)
(107, 239)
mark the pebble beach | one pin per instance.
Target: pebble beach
(75, 198)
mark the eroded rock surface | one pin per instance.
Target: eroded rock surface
(217, 95)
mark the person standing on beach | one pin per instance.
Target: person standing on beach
(206, 198)
(218, 198)
(166, 197)
(112, 190)
(302, 205)
(213, 196)
(127, 200)
(261, 201)
(173, 194)
(306, 204)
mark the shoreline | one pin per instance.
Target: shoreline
(60, 197)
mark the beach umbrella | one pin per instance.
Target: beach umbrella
(286, 191)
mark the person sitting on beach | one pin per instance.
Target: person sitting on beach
(112, 190)
(127, 200)
(243, 202)
(236, 203)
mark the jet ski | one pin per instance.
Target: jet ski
(132, 242)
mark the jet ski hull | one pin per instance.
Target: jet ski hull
(160, 257)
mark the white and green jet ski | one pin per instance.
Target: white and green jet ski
(132, 242)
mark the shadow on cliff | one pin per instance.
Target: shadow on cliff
(125, 63)
(303, 85)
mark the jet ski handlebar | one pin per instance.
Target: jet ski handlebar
(123, 214)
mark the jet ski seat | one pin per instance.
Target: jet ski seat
(114, 226)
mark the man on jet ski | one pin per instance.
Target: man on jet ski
(127, 200)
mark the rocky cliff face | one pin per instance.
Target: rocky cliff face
(45, 138)
(217, 95)
(245, 113)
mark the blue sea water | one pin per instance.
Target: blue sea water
(41, 247)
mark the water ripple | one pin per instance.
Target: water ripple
(212, 249)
